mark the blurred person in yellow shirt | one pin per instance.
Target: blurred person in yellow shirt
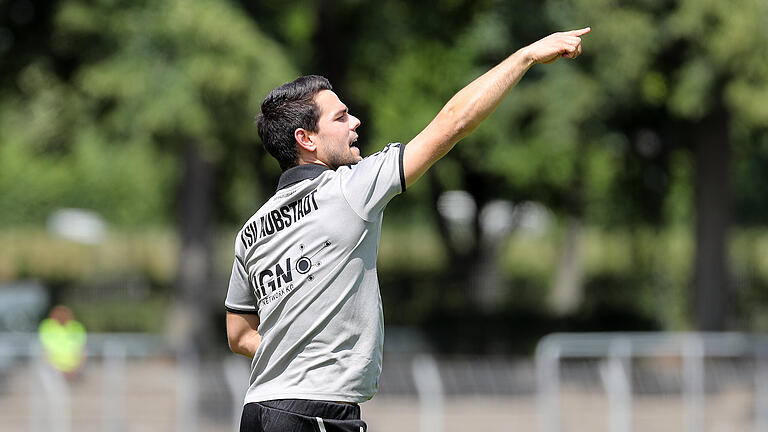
(63, 339)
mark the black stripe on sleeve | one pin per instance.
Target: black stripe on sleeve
(402, 169)
(240, 311)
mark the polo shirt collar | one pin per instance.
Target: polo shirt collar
(299, 173)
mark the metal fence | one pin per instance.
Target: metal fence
(129, 382)
(578, 382)
(135, 382)
(688, 382)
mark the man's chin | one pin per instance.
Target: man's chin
(355, 154)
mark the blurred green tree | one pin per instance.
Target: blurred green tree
(52, 153)
(136, 102)
(186, 77)
(719, 86)
(677, 76)
(608, 138)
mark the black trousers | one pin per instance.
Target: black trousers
(296, 415)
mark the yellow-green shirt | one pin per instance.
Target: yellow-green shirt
(64, 344)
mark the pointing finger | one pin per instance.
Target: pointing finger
(580, 32)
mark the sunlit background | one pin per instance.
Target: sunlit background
(618, 200)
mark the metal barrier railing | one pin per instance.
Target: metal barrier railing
(616, 353)
(49, 403)
(625, 371)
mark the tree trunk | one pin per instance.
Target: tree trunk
(568, 285)
(712, 195)
(192, 326)
(331, 55)
(485, 277)
(567, 290)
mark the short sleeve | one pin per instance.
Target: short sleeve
(240, 296)
(371, 183)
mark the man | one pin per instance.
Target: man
(303, 299)
(63, 339)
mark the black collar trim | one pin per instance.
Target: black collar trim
(299, 173)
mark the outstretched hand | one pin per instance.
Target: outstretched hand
(477, 100)
(562, 44)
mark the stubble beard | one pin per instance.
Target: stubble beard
(337, 159)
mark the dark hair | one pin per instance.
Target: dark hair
(285, 109)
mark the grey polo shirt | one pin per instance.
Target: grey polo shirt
(306, 264)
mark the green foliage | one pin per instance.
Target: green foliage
(101, 115)
(726, 46)
(642, 271)
(162, 74)
(143, 316)
(149, 78)
(645, 271)
(59, 159)
(172, 67)
(33, 253)
(570, 129)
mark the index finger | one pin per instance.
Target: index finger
(580, 32)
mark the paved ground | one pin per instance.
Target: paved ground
(581, 413)
(154, 391)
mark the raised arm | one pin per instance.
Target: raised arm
(472, 104)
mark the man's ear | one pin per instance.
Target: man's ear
(305, 139)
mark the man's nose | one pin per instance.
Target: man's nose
(355, 122)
